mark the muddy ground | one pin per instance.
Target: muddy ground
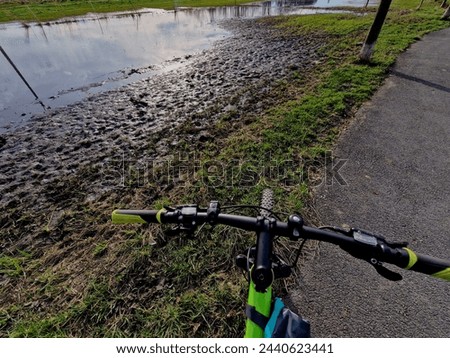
(235, 77)
(84, 157)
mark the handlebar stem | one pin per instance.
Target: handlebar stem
(262, 274)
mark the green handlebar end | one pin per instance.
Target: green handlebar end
(123, 217)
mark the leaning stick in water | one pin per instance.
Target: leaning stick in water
(20, 75)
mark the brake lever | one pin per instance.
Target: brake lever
(379, 243)
(377, 265)
(385, 272)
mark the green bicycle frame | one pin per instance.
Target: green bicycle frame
(262, 302)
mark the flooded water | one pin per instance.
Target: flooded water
(67, 60)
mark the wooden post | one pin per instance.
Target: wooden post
(375, 29)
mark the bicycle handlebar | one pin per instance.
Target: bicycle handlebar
(360, 244)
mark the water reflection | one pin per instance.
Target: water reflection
(66, 60)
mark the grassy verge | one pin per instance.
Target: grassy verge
(97, 280)
(46, 10)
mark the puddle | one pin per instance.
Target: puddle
(65, 61)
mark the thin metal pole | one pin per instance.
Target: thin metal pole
(20, 75)
(375, 29)
(446, 15)
(420, 5)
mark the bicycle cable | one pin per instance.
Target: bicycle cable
(255, 207)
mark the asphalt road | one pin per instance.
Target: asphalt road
(397, 184)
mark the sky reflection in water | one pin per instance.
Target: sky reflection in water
(64, 61)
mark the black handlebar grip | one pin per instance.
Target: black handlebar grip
(426, 264)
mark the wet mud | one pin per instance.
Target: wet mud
(57, 161)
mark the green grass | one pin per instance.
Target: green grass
(310, 125)
(100, 249)
(13, 266)
(46, 10)
(10, 266)
(145, 284)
